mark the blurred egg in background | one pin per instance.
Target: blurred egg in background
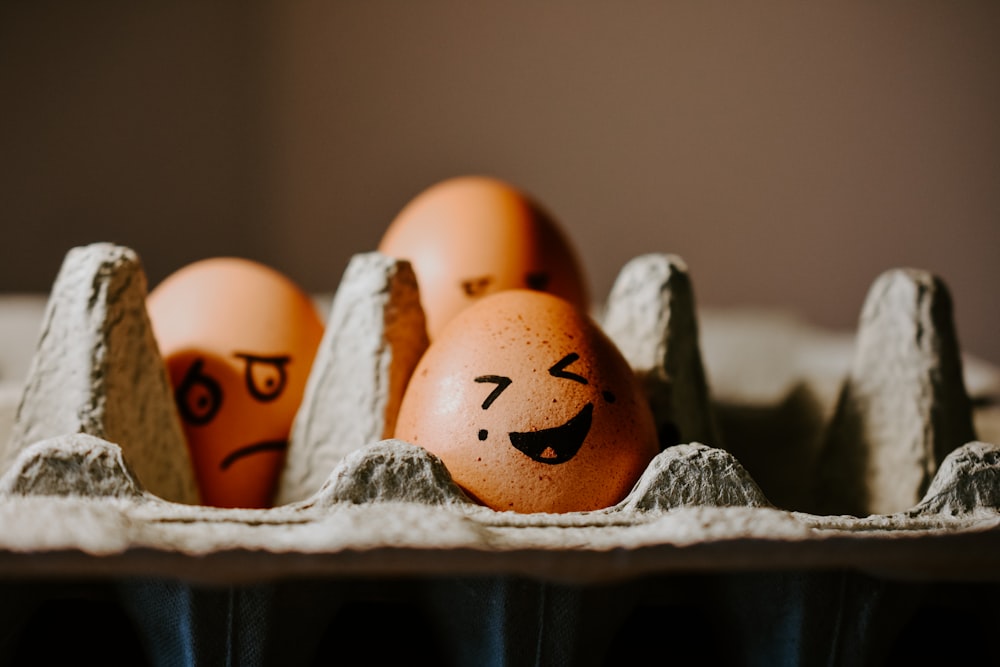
(790, 152)
(470, 236)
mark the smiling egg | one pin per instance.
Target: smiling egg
(530, 406)
(238, 339)
(470, 236)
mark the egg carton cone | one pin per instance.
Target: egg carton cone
(804, 509)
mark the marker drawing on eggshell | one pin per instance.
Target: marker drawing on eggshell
(537, 280)
(198, 396)
(474, 287)
(562, 424)
(557, 444)
(272, 386)
(238, 339)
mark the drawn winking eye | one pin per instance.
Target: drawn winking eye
(501, 384)
(476, 287)
(265, 377)
(559, 369)
(537, 280)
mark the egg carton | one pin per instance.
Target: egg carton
(827, 503)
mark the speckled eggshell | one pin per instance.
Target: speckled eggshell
(530, 406)
(470, 236)
(239, 340)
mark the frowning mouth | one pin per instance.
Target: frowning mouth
(250, 450)
(557, 444)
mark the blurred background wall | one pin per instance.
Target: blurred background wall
(789, 151)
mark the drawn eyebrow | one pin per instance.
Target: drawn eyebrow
(276, 359)
(558, 369)
(501, 382)
(475, 286)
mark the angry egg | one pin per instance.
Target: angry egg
(238, 339)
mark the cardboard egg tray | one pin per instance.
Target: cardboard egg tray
(827, 500)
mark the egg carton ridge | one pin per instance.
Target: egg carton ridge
(62, 444)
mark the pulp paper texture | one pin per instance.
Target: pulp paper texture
(80, 483)
(651, 317)
(97, 370)
(374, 337)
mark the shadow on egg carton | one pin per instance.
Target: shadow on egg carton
(97, 483)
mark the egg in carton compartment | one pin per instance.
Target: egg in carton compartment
(828, 502)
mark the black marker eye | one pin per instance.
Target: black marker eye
(474, 287)
(558, 370)
(537, 280)
(198, 396)
(501, 382)
(265, 377)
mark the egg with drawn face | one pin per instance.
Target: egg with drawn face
(470, 236)
(530, 407)
(239, 340)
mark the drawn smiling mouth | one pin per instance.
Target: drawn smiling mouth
(557, 444)
(255, 448)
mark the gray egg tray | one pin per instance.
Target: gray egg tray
(840, 511)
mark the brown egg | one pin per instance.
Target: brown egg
(238, 339)
(530, 406)
(471, 236)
